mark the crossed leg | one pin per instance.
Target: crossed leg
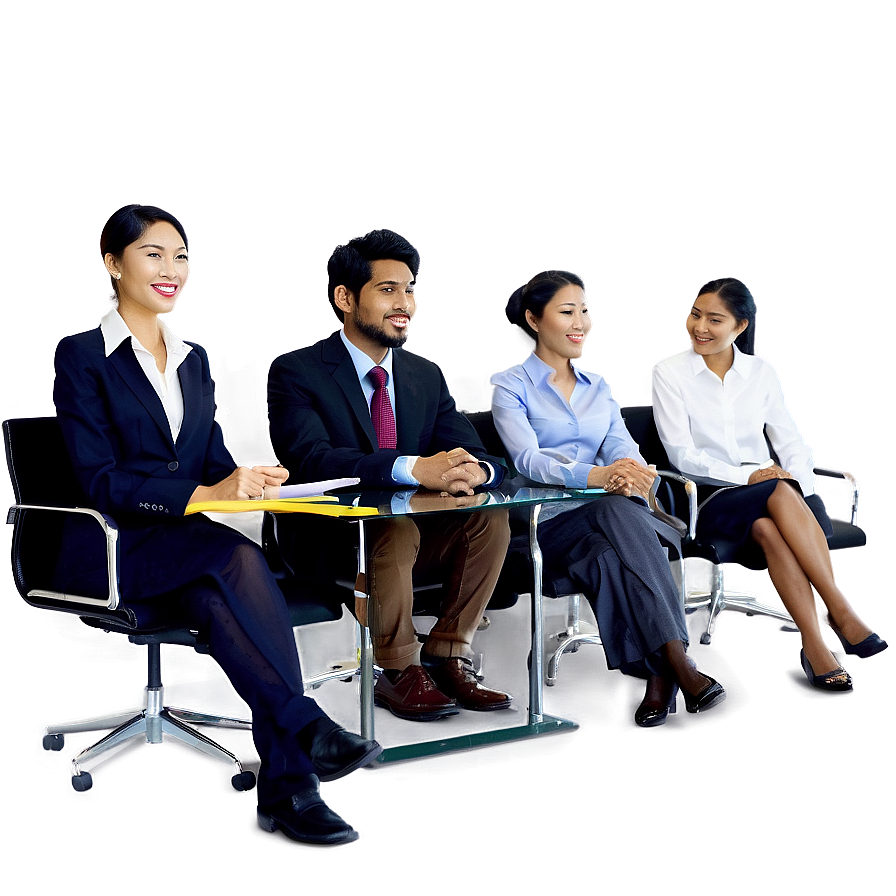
(798, 560)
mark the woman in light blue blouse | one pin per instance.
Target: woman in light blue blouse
(561, 426)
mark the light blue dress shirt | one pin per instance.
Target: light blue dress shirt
(550, 439)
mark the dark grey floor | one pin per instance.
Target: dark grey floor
(778, 788)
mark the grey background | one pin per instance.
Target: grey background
(644, 144)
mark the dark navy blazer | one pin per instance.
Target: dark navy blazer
(320, 421)
(118, 436)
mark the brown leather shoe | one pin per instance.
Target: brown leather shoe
(455, 678)
(413, 696)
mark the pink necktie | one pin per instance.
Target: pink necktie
(381, 410)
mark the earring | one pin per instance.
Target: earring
(117, 276)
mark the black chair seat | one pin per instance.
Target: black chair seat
(846, 535)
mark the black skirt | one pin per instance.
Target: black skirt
(727, 515)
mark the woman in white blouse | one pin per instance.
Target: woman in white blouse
(714, 405)
(561, 426)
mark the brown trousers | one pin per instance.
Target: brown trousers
(465, 551)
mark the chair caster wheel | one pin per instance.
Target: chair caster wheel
(705, 638)
(550, 682)
(82, 782)
(54, 742)
(243, 781)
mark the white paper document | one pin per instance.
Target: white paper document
(309, 489)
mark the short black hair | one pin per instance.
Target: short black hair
(128, 224)
(349, 265)
(535, 296)
(739, 302)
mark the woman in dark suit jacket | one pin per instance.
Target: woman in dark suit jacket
(136, 407)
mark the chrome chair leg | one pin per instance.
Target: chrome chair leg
(570, 640)
(98, 723)
(719, 599)
(187, 735)
(346, 671)
(134, 727)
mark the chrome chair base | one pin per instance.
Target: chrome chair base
(719, 599)
(150, 723)
(570, 639)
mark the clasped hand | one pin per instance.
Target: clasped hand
(243, 483)
(455, 472)
(766, 473)
(623, 477)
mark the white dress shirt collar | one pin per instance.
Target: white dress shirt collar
(742, 364)
(166, 384)
(115, 331)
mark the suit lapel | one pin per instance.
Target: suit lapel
(338, 361)
(128, 367)
(409, 399)
(191, 386)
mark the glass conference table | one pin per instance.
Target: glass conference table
(358, 509)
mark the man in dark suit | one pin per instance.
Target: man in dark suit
(356, 404)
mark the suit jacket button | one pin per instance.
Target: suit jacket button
(173, 465)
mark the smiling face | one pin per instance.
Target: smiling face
(562, 327)
(713, 329)
(378, 318)
(153, 269)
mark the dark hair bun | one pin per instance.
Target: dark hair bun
(514, 310)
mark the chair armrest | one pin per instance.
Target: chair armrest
(839, 474)
(110, 531)
(690, 489)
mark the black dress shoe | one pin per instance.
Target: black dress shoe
(834, 682)
(305, 817)
(647, 716)
(334, 751)
(651, 716)
(710, 696)
(870, 646)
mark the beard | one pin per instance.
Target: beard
(378, 334)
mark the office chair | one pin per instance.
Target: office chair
(679, 495)
(33, 447)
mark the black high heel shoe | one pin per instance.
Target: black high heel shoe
(710, 696)
(836, 681)
(868, 647)
(651, 716)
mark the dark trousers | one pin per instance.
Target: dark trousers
(609, 549)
